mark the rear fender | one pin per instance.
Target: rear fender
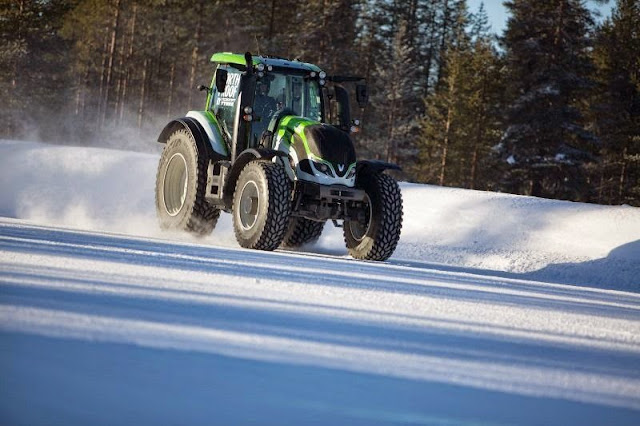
(198, 133)
(209, 124)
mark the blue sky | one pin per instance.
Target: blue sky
(498, 13)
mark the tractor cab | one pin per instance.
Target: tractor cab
(249, 101)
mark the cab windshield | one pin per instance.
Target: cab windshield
(277, 91)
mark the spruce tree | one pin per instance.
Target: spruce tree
(546, 142)
(616, 110)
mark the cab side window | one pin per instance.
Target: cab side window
(224, 104)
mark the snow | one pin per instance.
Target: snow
(494, 309)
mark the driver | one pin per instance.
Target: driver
(264, 107)
(264, 104)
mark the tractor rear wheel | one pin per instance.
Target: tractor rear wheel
(376, 237)
(261, 205)
(302, 231)
(181, 186)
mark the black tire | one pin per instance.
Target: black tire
(261, 205)
(377, 237)
(181, 184)
(302, 231)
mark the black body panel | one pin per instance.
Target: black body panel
(330, 144)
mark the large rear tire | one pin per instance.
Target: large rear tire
(261, 205)
(302, 231)
(181, 186)
(376, 237)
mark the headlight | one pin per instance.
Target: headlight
(351, 173)
(260, 67)
(322, 74)
(323, 168)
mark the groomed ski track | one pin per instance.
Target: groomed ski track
(103, 328)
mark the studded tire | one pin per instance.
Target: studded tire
(181, 183)
(261, 205)
(302, 231)
(377, 236)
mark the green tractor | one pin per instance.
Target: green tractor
(272, 147)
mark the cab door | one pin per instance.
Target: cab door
(223, 104)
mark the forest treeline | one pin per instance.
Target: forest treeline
(550, 108)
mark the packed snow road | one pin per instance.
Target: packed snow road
(494, 309)
(112, 329)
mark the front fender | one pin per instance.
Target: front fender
(243, 159)
(375, 166)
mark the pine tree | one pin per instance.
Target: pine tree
(546, 142)
(32, 57)
(394, 102)
(87, 29)
(444, 126)
(461, 121)
(486, 93)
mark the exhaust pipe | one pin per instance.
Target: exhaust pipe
(249, 60)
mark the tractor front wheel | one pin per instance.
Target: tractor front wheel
(376, 236)
(261, 205)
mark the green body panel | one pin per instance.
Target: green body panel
(209, 123)
(215, 127)
(231, 58)
(290, 125)
(212, 87)
(238, 59)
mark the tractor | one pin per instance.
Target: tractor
(273, 148)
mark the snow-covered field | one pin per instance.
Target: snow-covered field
(495, 309)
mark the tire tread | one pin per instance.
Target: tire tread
(278, 207)
(302, 231)
(203, 217)
(389, 227)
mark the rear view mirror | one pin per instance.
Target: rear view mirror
(362, 95)
(221, 80)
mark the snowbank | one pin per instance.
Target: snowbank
(111, 190)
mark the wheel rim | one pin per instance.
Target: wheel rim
(175, 184)
(358, 229)
(249, 201)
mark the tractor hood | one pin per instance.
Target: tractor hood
(314, 145)
(330, 144)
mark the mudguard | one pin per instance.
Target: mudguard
(374, 166)
(209, 124)
(207, 135)
(243, 159)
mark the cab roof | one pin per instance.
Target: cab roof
(238, 58)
